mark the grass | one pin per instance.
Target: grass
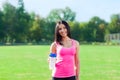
(30, 62)
(100, 62)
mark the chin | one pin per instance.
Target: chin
(64, 35)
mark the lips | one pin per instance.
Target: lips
(63, 33)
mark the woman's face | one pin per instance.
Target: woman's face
(62, 30)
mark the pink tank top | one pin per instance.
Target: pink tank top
(65, 64)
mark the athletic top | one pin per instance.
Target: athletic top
(65, 63)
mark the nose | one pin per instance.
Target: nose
(62, 30)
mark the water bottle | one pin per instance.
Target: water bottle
(52, 60)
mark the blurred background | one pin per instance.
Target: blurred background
(34, 21)
(27, 30)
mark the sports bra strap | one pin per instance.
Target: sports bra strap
(73, 42)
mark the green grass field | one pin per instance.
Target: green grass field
(30, 62)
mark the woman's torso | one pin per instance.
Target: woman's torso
(65, 65)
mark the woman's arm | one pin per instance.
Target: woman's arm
(77, 62)
(53, 48)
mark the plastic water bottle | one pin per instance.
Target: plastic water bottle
(52, 60)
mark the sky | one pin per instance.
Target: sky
(84, 9)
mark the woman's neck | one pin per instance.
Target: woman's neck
(65, 38)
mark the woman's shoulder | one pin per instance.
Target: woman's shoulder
(76, 42)
(53, 44)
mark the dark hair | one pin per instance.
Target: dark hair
(58, 37)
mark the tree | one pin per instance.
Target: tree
(35, 30)
(75, 30)
(23, 19)
(2, 33)
(68, 14)
(61, 14)
(8, 19)
(83, 34)
(96, 28)
(114, 25)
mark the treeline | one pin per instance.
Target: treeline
(19, 26)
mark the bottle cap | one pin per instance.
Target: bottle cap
(52, 55)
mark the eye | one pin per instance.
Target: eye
(59, 28)
(64, 27)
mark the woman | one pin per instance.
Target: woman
(67, 50)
